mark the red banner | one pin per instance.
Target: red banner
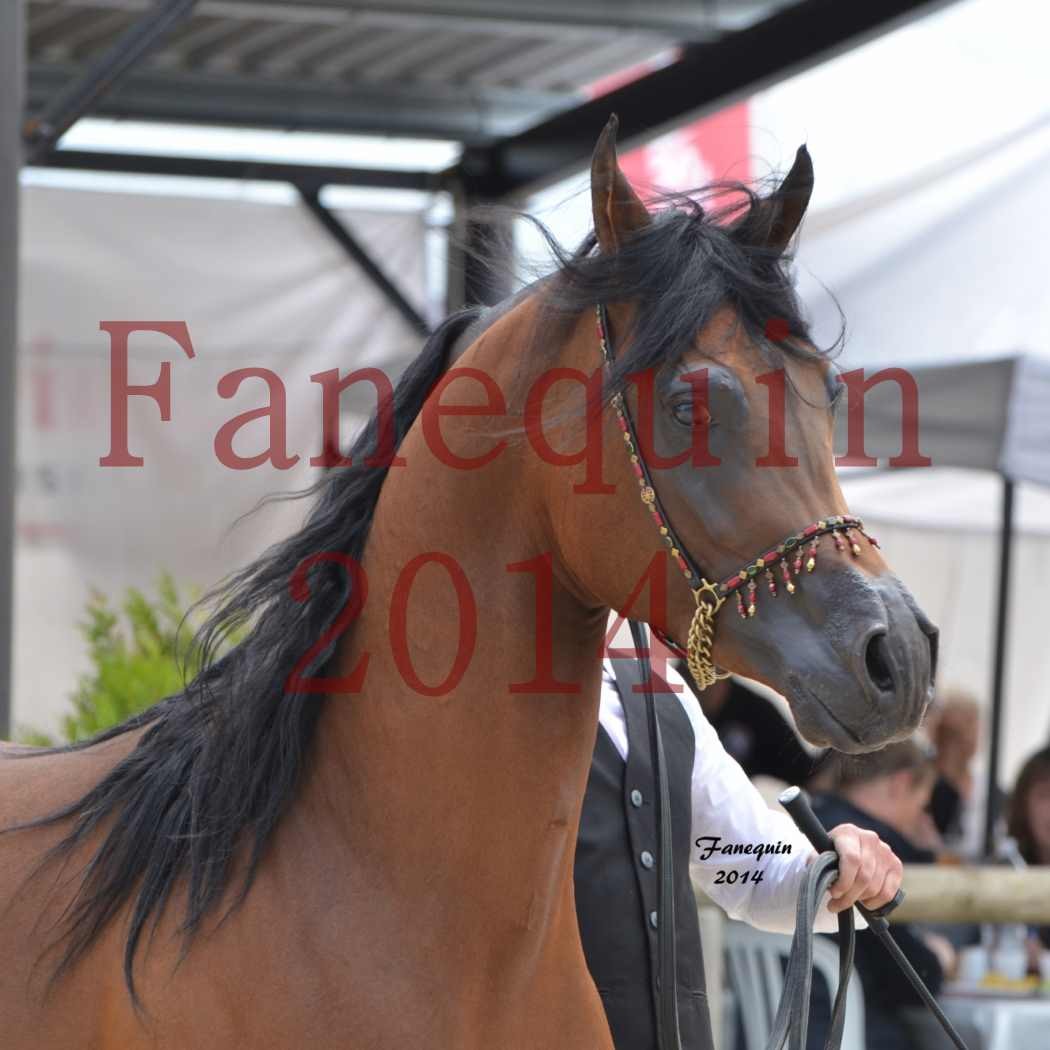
(708, 150)
(713, 149)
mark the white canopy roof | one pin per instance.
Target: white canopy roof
(950, 278)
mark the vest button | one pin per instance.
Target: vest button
(653, 919)
(647, 859)
(636, 798)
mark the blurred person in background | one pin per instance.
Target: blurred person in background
(761, 740)
(954, 730)
(1028, 823)
(888, 792)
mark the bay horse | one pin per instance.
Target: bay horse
(323, 843)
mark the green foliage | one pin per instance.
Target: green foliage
(135, 663)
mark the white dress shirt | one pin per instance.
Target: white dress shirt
(727, 805)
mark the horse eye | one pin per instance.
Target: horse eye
(682, 411)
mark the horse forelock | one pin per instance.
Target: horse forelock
(675, 275)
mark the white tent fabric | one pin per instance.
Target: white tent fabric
(260, 285)
(951, 280)
(939, 529)
(953, 266)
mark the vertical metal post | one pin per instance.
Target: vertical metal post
(12, 85)
(455, 239)
(487, 261)
(480, 253)
(1006, 544)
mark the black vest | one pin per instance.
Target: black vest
(617, 884)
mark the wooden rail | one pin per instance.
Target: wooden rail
(936, 893)
(940, 893)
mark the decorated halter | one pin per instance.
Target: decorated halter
(789, 557)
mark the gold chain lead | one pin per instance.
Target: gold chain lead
(702, 636)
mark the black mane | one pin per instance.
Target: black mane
(218, 764)
(678, 271)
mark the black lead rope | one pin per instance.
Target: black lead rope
(791, 1024)
(794, 1003)
(792, 1020)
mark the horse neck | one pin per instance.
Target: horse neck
(492, 749)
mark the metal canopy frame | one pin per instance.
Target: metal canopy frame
(468, 70)
(1007, 536)
(704, 77)
(12, 45)
(724, 49)
(311, 175)
(149, 29)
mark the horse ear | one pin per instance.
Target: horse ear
(617, 209)
(789, 201)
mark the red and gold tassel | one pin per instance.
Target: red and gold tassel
(853, 544)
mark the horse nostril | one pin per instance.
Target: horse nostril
(876, 660)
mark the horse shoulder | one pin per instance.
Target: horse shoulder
(36, 781)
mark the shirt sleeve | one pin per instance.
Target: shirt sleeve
(730, 814)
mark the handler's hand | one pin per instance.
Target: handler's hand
(869, 871)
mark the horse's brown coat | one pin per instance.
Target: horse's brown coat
(419, 892)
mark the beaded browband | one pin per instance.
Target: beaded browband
(791, 556)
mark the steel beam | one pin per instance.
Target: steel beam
(359, 254)
(309, 175)
(1007, 535)
(12, 76)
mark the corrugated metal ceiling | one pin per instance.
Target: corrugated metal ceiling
(462, 69)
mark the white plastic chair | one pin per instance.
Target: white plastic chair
(756, 976)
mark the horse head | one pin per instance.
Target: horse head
(722, 445)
